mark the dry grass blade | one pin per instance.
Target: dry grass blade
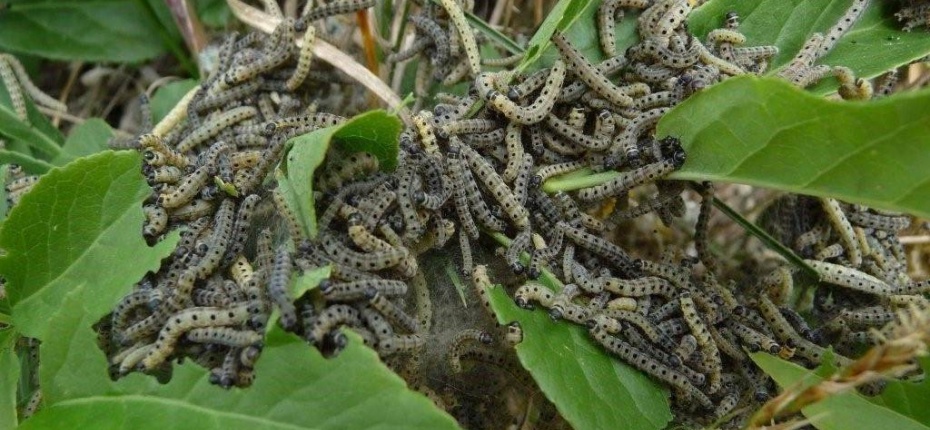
(266, 23)
(905, 339)
(189, 24)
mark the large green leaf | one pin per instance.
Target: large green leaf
(98, 30)
(847, 411)
(9, 378)
(591, 389)
(874, 45)
(86, 139)
(295, 387)
(375, 132)
(77, 226)
(765, 132)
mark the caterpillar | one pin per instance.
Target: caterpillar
(756, 341)
(649, 365)
(156, 220)
(224, 336)
(539, 108)
(708, 348)
(364, 289)
(393, 312)
(461, 342)
(355, 165)
(608, 67)
(613, 253)
(532, 292)
(187, 188)
(465, 247)
(512, 255)
(330, 319)
(850, 278)
(529, 84)
(185, 321)
(630, 179)
(640, 287)
(842, 26)
(645, 326)
(465, 35)
(400, 343)
(514, 142)
(590, 74)
(363, 261)
(214, 126)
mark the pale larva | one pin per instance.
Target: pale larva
(186, 320)
(224, 336)
(850, 278)
(705, 342)
(214, 126)
(465, 35)
(540, 107)
(590, 74)
(514, 142)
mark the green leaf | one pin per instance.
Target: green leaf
(295, 387)
(38, 133)
(30, 164)
(765, 132)
(306, 154)
(9, 378)
(591, 389)
(492, 33)
(310, 280)
(908, 398)
(213, 13)
(576, 19)
(101, 30)
(874, 45)
(77, 226)
(375, 132)
(85, 139)
(846, 411)
(168, 96)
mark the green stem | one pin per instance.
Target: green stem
(766, 238)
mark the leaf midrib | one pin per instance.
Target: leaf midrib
(125, 398)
